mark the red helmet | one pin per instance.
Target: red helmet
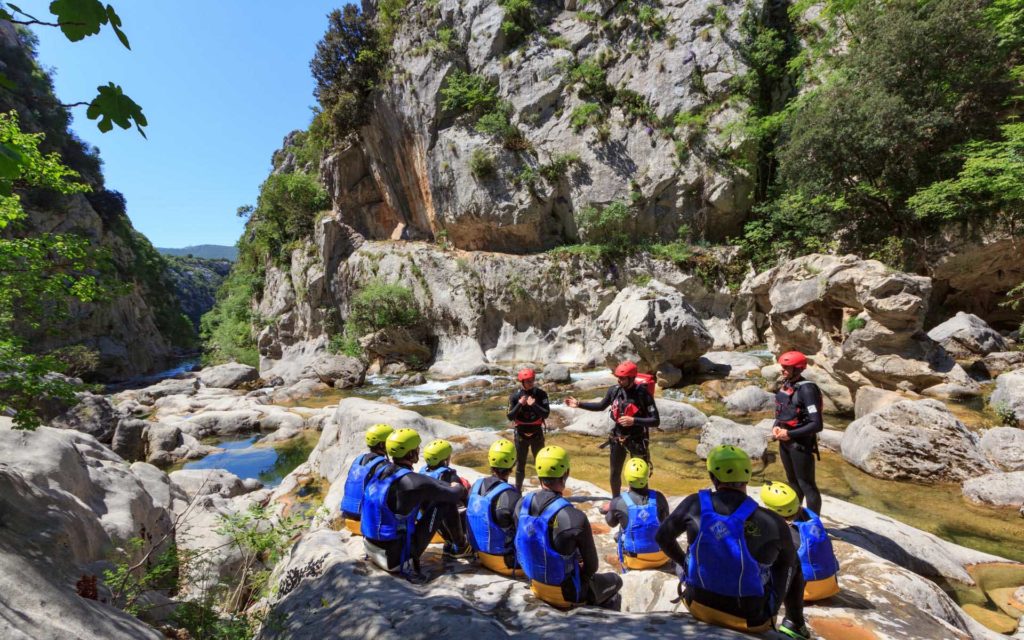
(793, 359)
(626, 370)
(526, 374)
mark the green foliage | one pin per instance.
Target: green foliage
(854, 323)
(285, 212)
(609, 226)
(559, 166)
(482, 164)
(636, 106)
(1006, 414)
(111, 106)
(470, 93)
(790, 226)
(678, 252)
(497, 123)
(379, 306)
(519, 19)
(344, 344)
(592, 80)
(559, 42)
(227, 329)
(651, 20)
(587, 114)
(129, 581)
(526, 176)
(77, 360)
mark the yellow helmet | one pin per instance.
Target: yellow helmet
(729, 463)
(502, 454)
(401, 442)
(780, 498)
(637, 472)
(377, 434)
(551, 462)
(437, 452)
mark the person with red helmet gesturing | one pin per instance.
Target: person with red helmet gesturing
(797, 424)
(528, 408)
(633, 414)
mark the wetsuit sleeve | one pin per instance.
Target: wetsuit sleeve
(662, 507)
(416, 488)
(809, 397)
(614, 517)
(649, 418)
(543, 407)
(505, 509)
(674, 526)
(574, 533)
(515, 511)
(514, 406)
(787, 576)
(602, 404)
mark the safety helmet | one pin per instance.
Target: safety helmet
(637, 472)
(551, 462)
(780, 498)
(502, 454)
(377, 434)
(793, 359)
(402, 442)
(728, 463)
(437, 452)
(626, 370)
(526, 374)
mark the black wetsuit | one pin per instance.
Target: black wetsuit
(572, 533)
(503, 514)
(441, 513)
(618, 514)
(415, 490)
(529, 422)
(798, 410)
(769, 541)
(632, 440)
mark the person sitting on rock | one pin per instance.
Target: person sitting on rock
(528, 408)
(393, 535)
(633, 414)
(491, 512)
(555, 545)
(360, 472)
(639, 512)
(818, 561)
(741, 563)
(797, 423)
(437, 456)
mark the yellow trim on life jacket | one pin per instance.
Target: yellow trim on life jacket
(722, 619)
(551, 594)
(437, 539)
(821, 589)
(645, 560)
(497, 564)
(353, 526)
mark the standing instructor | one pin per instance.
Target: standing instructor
(797, 424)
(527, 408)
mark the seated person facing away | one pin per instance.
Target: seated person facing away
(818, 561)
(639, 512)
(393, 536)
(741, 563)
(437, 456)
(491, 512)
(359, 474)
(555, 545)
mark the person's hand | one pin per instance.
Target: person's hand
(530, 401)
(625, 421)
(775, 432)
(523, 399)
(783, 435)
(572, 402)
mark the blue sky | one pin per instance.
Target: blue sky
(221, 83)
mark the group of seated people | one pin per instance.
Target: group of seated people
(543, 537)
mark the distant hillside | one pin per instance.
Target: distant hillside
(208, 251)
(196, 281)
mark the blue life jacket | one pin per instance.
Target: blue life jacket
(355, 485)
(637, 534)
(534, 553)
(436, 473)
(816, 556)
(719, 560)
(484, 533)
(379, 522)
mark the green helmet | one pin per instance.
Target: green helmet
(780, 498)
(437, 452)
(377, 434)
(402, 442)
(637, 472)
(502, 454)
(551, 462)
(728, 463)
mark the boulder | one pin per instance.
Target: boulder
(999, 362)
(171, 387)
(1008, 398)
(557, 374)
(998, 489)
(669, 375)
(916, 441)
(395, 345)
(91, 414)
(751, 438)
(207, 482)
(1004, 446)
(965, 335)
(167, 445)
(732, 364)
(836, 397)
(221, 423)
(872, 399)
(749, 400)
(652, 325)
(228, 376)
(300, 390)
(129, 439)
(675, 416)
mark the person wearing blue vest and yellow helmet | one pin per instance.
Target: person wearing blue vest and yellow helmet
(555, 545)
(491, 512)
(446, 520)
(817, 559)
(638, 511)
(359, 474)
(741, 564)
(393, 535)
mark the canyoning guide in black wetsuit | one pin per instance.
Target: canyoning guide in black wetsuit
(555, 545)
(633, 414)
(797, 424)
(740, 564)
(393, 533)
(528, 408)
